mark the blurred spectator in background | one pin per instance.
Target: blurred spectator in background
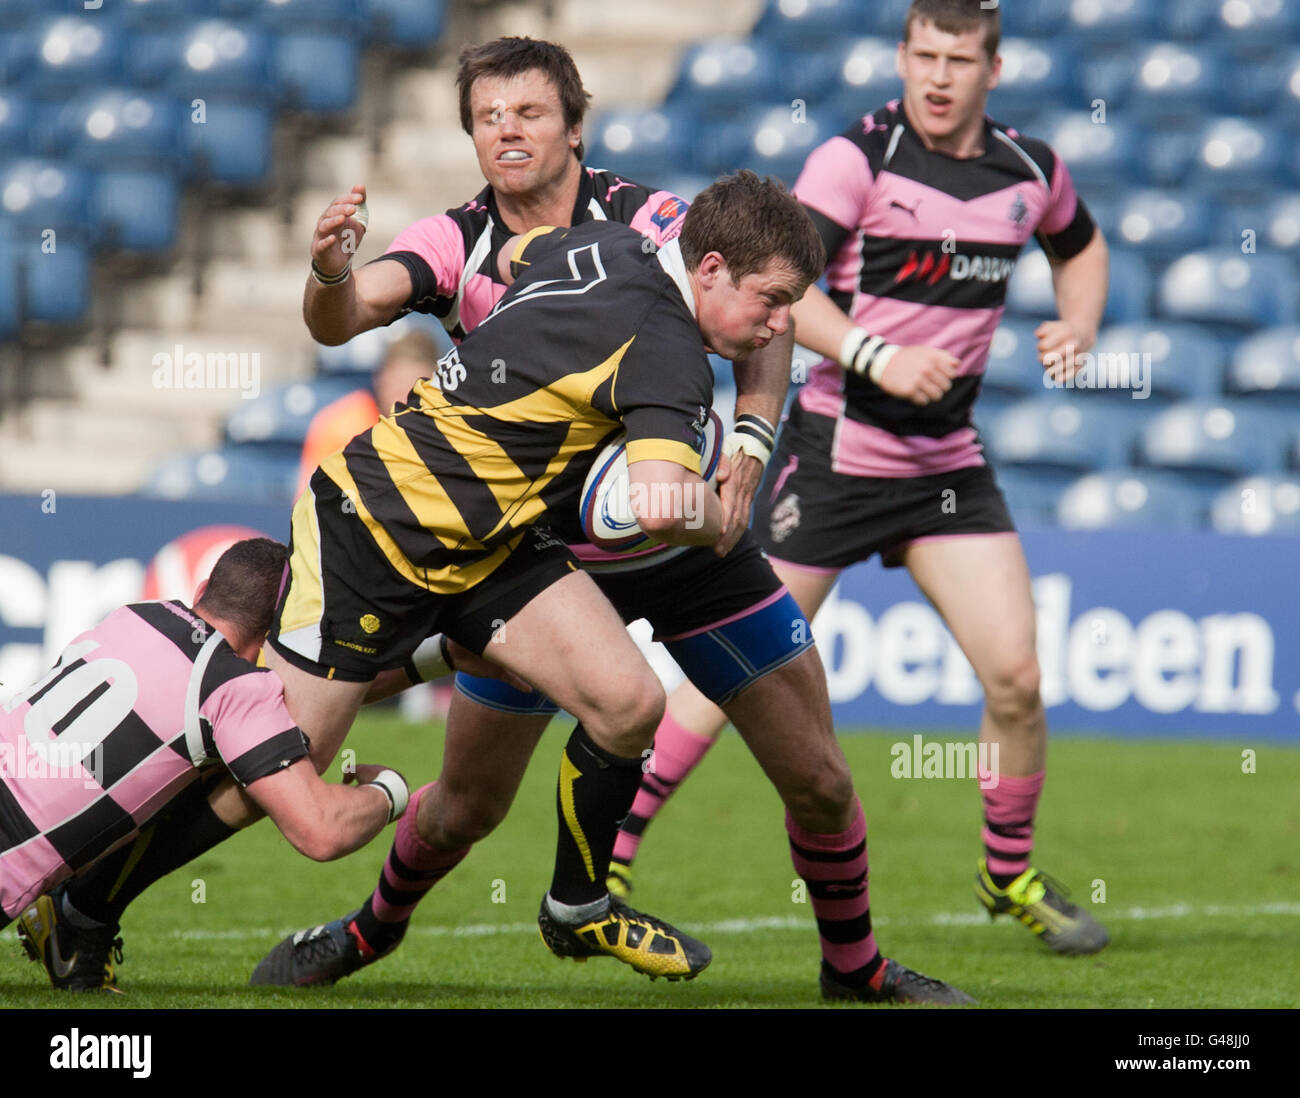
(408, 359)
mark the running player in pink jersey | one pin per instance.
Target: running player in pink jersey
(136, 718)
(923, 208)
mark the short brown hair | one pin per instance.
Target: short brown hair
(751, 221)
(507, 57)
(958, 17)
(245, 584)
(416, 344)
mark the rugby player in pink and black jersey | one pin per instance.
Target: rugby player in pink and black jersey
(923, 208)
(131, 725)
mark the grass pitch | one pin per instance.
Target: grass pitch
(1199, 863)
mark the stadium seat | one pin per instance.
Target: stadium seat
(1032, 495)
(1278, 226)
(866, 76)
(1267, 367)
(411, 24)
(1013, 368)
(363, 353)
(1246, 22)
(233, 145)
(1041, 19)
(1261, 79)
(10, 303)
(1239, 152)
(218, 57)
(643, 144)
(156, 14)
(17, 123)
(1099, 156)
(56, 285)
(1131, 499)
(1224, 287)
(1104, 21)
(1212, 441)
(1031, 293)
(885, 18)
(1176, 78)
(770, 141)
(283, 414)
(40, 194)
(136, 209)
(1185, 361)
(15, 14)
(1033, 73)
(118, 126)
(74, 52)
(316, 72)
(721, 75)
(298, 16)
(990, 404)
(1163, 224)
(246, 473)
(1062, 435)
(1168, 151)
(1258, 505)
(793, 23)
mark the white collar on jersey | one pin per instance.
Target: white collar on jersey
(670, 259)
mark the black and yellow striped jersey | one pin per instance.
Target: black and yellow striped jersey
(597, 333)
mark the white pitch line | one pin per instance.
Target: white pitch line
(774, 922)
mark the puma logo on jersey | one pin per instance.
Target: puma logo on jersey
(894, 204)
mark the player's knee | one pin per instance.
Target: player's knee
(822, 800)
(462, 820)
(1012, 694)
(624, 723)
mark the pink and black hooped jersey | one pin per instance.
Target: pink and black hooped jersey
(921, 246)
(116, 729)
(452, 257)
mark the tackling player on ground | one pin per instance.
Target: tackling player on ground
(923, 208)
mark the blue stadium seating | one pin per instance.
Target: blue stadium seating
(1276, 226)
(1033, 73)
(362, 354)
(1031, 294)
(787, 23)
(56, 285)
(72, 52)
(1041, 19)
(316, 72)
(1106, 21)
(1032, 494)
(865, 75)
(644, 145)
(17, 121)
(136, 210)
(1260, 79)
(43, 194)
(296, 16)
(1267, 367)
(217, 57)
(1163, 224)
(283, 414)
(1100, 156)
(1240, 152)
(10, 298)
(1013, 368)
(726, 74)
(1131, 499)
(1065, 435)
(157, 14)
(232, 146)
(118, 126)
(248, 473)
(411, 24)
(1173, 77)
(1168, 151)
(1186, 361)
(885, 18)
(1213, 441)
(1239, 22)
(1258, 505)
(1224, 287)
(771, 141)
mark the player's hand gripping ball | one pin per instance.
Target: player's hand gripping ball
(605, 506)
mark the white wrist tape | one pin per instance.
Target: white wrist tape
(752, 435)
(866, 355)
(394, 787)
(432, 660)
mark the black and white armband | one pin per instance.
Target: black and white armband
(432, 660)
(752, 435)
(865, 354)
(393, 786)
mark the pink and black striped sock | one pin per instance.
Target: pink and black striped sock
(677, 752)
(1008, 834)
(835, 869)
(413, 867)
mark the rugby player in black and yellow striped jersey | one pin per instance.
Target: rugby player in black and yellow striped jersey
(434, 521)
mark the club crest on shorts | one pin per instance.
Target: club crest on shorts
(785, 518)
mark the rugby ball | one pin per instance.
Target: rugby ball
(605, 508)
